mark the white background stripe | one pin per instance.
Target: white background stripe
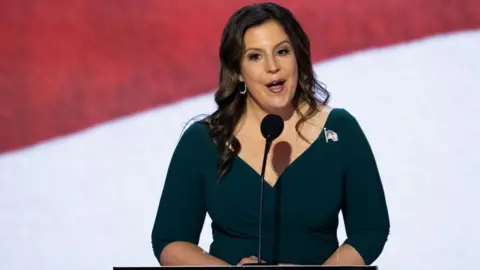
(87, 201)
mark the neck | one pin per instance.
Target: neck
(256, 113)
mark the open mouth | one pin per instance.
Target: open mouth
(276, 86)
(275, 83)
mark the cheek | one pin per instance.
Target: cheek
(293, 72)
(293, 66)
(289, 66)
(252, 71)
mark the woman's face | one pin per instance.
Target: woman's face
(269, 67)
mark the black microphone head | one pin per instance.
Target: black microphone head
(271, 126)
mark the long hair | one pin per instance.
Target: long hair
(230, 103)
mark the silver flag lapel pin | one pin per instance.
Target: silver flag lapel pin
(330, 135)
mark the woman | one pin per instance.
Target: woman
(320, 165)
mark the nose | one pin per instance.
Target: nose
(272, 65)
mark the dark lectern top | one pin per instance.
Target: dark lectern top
(263, 267)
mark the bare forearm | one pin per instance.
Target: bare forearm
(183, 253)
(345, 255)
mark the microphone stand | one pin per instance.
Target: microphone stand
(260, 212)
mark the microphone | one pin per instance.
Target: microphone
(271, 127)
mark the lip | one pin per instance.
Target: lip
(275, 81)
(276, 88)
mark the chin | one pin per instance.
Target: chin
(282, 101)
(279, 105)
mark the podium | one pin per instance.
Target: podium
(263, 267)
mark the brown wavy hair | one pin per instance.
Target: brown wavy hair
(231, 104)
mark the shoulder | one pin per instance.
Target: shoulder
(344, 123)
(342, 115)
(194, 142)
(195, 132)
(197, 128)
(335, 116)
(342, 119)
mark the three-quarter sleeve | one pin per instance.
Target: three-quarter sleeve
(365, 209)
(181, 211)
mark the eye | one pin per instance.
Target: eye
(253, 56)
(284, 52)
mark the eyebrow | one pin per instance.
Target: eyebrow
(259, 49)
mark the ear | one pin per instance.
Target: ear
(240, 78)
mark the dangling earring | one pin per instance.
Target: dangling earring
(244, 91)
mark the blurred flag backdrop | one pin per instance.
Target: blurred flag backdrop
(94, 95)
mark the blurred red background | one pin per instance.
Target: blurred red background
(68, 65)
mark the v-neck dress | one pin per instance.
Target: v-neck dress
(336, 174)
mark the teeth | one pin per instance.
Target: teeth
(275, 83)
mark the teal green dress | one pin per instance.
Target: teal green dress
(300, 216)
